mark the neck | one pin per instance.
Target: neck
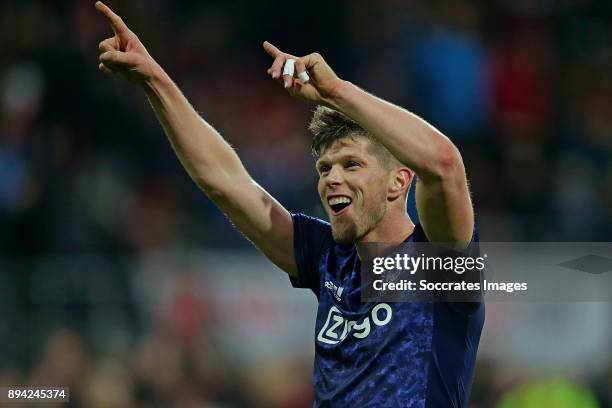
(391, 230)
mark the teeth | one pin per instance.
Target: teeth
(339, 200)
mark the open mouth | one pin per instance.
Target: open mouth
(338, 204)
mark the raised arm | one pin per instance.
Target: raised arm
(443, 199)
(207, 157)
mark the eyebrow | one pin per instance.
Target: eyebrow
(322, 161)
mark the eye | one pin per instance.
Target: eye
(351, 164)
(323, 169)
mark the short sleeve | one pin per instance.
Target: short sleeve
(472, 251)
(311, 237)
(470, 308)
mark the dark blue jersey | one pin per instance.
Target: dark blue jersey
(401, 354)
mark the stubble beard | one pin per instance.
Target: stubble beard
(360, 225)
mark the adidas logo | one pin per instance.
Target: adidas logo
(335, 290)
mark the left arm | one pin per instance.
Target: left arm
(443, 199)
(442, 196)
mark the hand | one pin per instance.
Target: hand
(323, 84)
(124, 53)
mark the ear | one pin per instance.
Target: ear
(399, 182)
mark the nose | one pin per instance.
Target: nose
(334, 176)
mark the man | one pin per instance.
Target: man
(411, 354)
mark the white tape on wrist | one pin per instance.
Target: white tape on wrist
(289, 67)
(304, 76)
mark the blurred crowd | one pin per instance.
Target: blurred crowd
(159, 371)
(523, 88)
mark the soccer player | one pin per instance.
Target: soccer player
(404, 354)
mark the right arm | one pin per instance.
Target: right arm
(208, 158)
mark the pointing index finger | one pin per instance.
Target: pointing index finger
(116, 22)
(271, 50)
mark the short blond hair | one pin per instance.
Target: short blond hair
(328, 125)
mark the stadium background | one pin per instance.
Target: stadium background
(120, 279)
